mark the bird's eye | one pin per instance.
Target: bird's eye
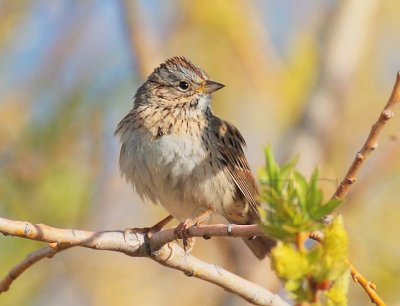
(183, 85)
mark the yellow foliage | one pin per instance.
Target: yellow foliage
(337, 294)
(288, 262)
(335, 247)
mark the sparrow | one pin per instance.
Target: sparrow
(176, 152)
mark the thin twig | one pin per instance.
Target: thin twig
(32, 258)
(134, 242)
(367, 285)
(351, 176)
(370, 144)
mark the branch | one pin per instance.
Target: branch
(368, 147)
(215, 230)
(32, 258)
(367, 286)
(370, 144)
(134, 242)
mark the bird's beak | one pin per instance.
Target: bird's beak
(211, 86)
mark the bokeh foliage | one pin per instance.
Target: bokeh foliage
(294, 208)
(68, 72)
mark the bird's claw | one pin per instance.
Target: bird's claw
(181, 232)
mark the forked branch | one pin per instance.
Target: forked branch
(135, 242)
(159, 247)
(32, 258)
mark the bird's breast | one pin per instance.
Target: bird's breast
(178, 171)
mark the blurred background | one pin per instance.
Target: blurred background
(308, 77)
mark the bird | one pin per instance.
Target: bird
(177, 153)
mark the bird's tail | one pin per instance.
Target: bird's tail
(260, 246)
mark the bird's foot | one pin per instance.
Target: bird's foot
(181, 232)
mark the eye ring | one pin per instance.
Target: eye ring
(183, 85)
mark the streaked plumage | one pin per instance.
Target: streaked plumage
(177, 153)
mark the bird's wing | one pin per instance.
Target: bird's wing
(230, 148)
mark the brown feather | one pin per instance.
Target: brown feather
(230, 147)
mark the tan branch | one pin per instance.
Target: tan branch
(367, 286)
(370, 144)
(214, 230)
(134, 242)
(32, 258)
(159, 248)
(368, 147)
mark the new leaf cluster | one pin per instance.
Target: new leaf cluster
(294, 207)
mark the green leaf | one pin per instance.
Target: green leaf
(314, 195)
(301, 187)
(294, 205)
(276, 232)
(272, 168)
(324, 210)
(286, 172)
(288, 212)
(289, 167)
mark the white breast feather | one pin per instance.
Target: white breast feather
(174, 170)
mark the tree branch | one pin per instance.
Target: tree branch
(32, 258)
(368, 147)
(134, 242)
(342, 190)
(367, 286)
(370, 144)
